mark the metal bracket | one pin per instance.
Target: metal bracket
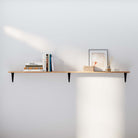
(125, 77)
(69, 74)
(12, 76)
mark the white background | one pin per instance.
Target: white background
(44, 105)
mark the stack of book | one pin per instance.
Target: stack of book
(33, 67)
(48, 62)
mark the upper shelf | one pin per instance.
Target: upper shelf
(68, 72)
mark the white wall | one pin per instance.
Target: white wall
(45, 105)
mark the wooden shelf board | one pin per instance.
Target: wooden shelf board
(67, 72)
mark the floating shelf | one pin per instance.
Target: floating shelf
(69, 73)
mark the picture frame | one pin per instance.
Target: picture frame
(98, 58)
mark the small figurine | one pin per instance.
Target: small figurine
(94, 65)
(108, 66)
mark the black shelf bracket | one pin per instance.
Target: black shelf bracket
(12, 76)
(69, 74)
(125, 77)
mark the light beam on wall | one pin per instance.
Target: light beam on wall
(68, 62)
(32, 40)
(100, 107)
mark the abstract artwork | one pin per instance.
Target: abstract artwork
(98, 58)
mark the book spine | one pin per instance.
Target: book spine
(46, 62)
(33, 68)
(50, 62)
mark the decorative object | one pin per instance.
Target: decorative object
(88, 68)
(109, 65)
(99, 59)
(108, 69)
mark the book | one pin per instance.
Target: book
(50, 62)
(33, 68)
(33, 65)
(46, 62)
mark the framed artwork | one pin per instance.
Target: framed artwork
(98, 58)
